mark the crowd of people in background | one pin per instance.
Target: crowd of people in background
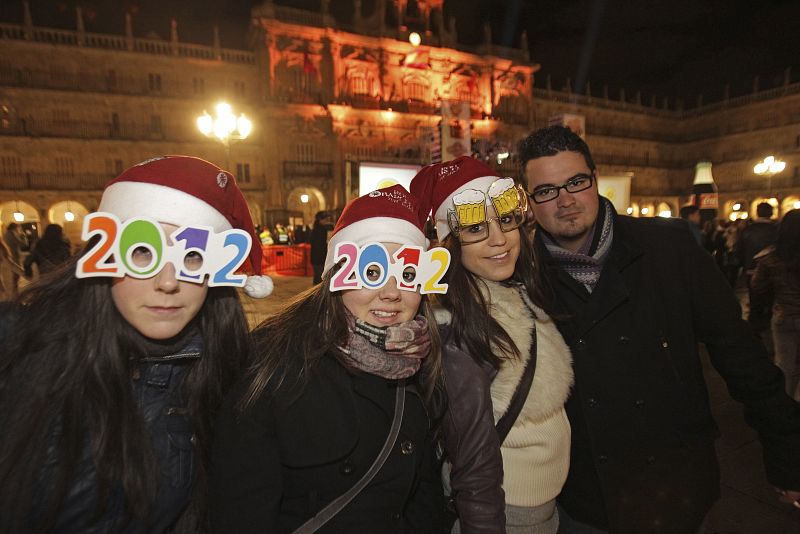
(539, 371)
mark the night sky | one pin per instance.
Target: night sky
(674, 48)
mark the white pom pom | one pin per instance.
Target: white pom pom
(258, 287)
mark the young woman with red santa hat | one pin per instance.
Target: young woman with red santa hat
(332, 429)
(506, 369)
(114, 365)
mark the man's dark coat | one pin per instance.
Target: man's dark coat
(643, 457)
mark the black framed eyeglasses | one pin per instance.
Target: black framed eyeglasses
(576, 184)
(475, 233)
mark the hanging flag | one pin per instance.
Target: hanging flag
(455, 130)
(308, 65)
(417, 59)
(472, 83)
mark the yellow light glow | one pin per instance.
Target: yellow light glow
(645, 211)
(19, 216)
(796, 205)
(733, 216)
(665, 213)
(205, 124)
(69, 216)
(414, 38)
(737, 207)
(630, 210)
(225, 125)
(388, 115)
(244, 125)
(743, 216)
(769, 166)
(773, 202)
(304, 198)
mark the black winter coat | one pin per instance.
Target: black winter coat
(642, 456)
(284, 459)
(156, 390)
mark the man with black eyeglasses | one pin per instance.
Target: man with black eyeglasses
(632, 298)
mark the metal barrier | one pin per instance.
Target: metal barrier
(291, 260)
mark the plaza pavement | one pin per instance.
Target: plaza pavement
(748, 505)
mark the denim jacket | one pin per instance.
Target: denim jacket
(156, 385)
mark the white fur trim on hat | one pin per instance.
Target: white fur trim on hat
(259, 286)
(481, 184)
(160, 203)
(373, 230)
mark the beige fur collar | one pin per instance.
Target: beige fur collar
(511, 308)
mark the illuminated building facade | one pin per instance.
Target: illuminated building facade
(76, 108)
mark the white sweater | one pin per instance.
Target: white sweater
(536, 450)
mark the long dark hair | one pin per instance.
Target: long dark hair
(472, 326)
(68, 366)
(310, 327)
(788, 245)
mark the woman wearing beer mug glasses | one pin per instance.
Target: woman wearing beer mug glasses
(507, 371)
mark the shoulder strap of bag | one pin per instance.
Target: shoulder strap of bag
(336, 506)
(505, 423)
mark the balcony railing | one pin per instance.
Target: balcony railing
(637, 161)
(54, 181)
(86, 82)
(122, 42)
(307, 169)
(31, 127)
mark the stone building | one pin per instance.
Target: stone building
(76, 108)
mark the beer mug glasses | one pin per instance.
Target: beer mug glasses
(468, 220)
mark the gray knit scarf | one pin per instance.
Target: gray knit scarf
(392, 352)
(586, 264)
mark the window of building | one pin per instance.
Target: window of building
(358, 85)
(114, 124)
(60, 117)
(243, 173)
(111, 79)
(305, 152)
(155, 124)
(199, 86)
(10, 166)
(154, 81)
(64, 166)
(464, 94)
(114, 167)
(416, 90)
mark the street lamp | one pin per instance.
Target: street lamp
(769, 167)
(225, 127)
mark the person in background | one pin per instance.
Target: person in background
(49, 252)
(776, 285)
(109, 385)
(756, 236)
(282, 235)
(633, 297)
(319, 243)
(310, 418)
(691, 214)
(497, 336)
(15, 241)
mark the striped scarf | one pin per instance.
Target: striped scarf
(585, 264)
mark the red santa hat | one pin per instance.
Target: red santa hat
(388, 215)
(437, 184)
(184, 190)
